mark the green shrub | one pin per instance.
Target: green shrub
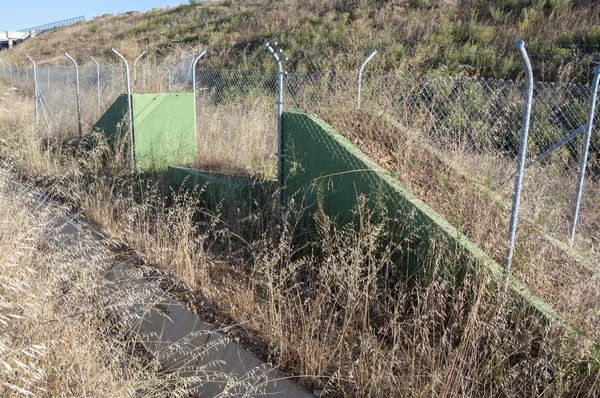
(477, 33)
(141, 28)
(511, 5)
(592, 36)
(558, 5)
(529, 16)
(498, 14)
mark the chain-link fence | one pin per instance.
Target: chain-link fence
(452, 140)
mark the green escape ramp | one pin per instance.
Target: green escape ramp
(323, 171)
(163, 128)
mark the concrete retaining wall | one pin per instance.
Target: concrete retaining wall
(163, 128)
(221, 191)
(323, 171)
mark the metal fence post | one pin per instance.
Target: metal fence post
(97, 81)
(191, 65)
(585, 151)
(77, 88)
(35, 91)
(520, 45)
(360, 72)
(18, 74)
(170, 76)
(194, 92)
(182, 67)
(132, 152)
(144, 75)
(280, 74)
(135, 66)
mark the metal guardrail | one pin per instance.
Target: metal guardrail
(53, 25)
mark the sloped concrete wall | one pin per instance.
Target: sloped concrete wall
(163, 128)
(323, 171)
(221, 191)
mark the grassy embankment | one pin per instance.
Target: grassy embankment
(337, 35)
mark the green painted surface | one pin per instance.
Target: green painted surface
(113, 122)
(323, 170)
(163, 128)
(221, 191)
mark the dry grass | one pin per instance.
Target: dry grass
(565, 284)
(237, 137)
(54, 330)
(329, 311)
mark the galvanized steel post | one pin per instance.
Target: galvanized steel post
(144, 74)
(191, 65)
(520, 45)
(78, 99)
(170, 76)
(97, 81)
(360, 72)
(35, 91)
(128, 80)
(586, 147)
(280, 74)
(194, 92)
(135, 66)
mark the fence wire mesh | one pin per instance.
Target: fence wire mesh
(452, 140)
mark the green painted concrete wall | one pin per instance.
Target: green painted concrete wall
(221, 191)
(323, 170)
(113, 123)
(163, 128)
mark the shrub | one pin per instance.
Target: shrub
(592, 36)
(558, 5)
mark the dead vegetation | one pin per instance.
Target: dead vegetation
(56, 338)
(567, 285)
(328, 312)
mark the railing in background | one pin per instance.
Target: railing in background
(53, 25)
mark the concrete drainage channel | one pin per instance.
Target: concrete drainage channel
(184, 344)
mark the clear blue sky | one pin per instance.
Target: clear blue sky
(21, 14)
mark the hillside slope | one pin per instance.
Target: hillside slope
(337, 34)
